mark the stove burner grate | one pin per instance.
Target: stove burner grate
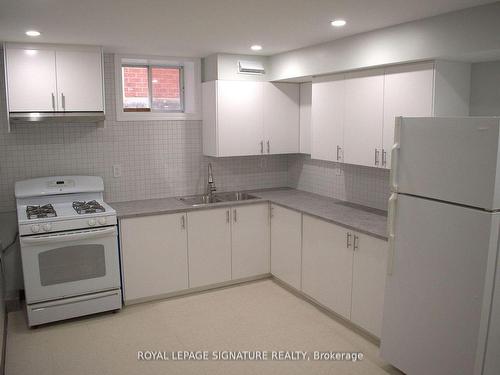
(91, 207)
(37, 212)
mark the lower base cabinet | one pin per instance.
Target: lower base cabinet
(250, 240)
(327, 265)
(368, 283)
(345, 271)
(286, 242)
(154, 255)
(209, 239)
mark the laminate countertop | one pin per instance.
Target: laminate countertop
(351, 216)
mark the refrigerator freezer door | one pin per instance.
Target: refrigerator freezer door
(449, 159)
(435, 305)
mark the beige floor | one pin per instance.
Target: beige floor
(254, 316)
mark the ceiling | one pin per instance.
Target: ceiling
(202, 27)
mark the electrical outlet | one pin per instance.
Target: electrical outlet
(339, 171)
(117, 170)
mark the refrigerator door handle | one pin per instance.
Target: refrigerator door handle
(390, 232)
(394, 166)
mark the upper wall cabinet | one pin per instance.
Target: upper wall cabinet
(353, 116)
(250, 118)
(50, 78)
(364, 104)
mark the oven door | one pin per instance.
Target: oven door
(66, 264)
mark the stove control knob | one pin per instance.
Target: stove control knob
(102, 220)
(46, 227)
(35, 228)
(91, 222)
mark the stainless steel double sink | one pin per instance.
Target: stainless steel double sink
(203, 199)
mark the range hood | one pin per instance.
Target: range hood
(65, 117)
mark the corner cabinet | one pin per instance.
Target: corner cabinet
(53, 78)
(353, 115)
(286, 245)
(250, 118)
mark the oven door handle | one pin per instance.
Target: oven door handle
(63, 237)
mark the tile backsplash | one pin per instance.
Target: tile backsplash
(157, 158)
(362, 185)
(163, 158)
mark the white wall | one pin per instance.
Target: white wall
(225, 67)
(468, 35)
(485, 89)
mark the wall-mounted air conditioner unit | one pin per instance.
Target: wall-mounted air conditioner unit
(251, 67)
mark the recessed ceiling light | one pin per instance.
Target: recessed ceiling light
(338, 23)
(256, 47)
(33, 33)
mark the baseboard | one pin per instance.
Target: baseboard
(332, 314)
(200, 289)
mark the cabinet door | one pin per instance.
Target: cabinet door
(286, 240)
(407, 92)
(327, 118)
(79, 81)
(31, 80)
(305, 118)
(327, 265)
(209, 238)
(154, 255)
(368, 283)
(281, 117)
(364, 92)
(250, 241)
(239, 118)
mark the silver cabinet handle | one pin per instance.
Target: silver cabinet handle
(376, 157)
(183, 222)
(235, 216)
(268, 147)
(348, 239)
(63, 101)
(338, 152)
(384, 158)
(53, 101)
(261, 147)
(227, 216)
(356, 243)
(271, 211)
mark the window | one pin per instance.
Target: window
(152, 88)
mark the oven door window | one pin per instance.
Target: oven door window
(71, 263)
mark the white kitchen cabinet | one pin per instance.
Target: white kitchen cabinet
(53, 78)
(154, 255)
(364, 105)
(250, 118)
(345, 271)
(305, 118)
(31, 79)
(360, 110)
(286, 245)
(281, 117)
(79, 81)
(327, 118)
(327, 264)
(232, 118)
(209, 239)
(368, 282)
(408, 91)
(250, 239)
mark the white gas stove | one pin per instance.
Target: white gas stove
(69, 248)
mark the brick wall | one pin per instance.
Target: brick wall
(135, 82)
(165, 82)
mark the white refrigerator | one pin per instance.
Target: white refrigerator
(442, 299)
